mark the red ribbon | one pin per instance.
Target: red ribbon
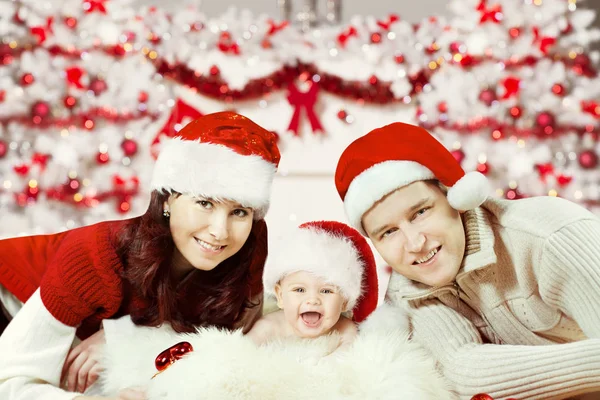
(274, 27)
(386, 24)
(492, 13)
(306, 100)
(345, 35)
(545, 42)
(42, 32)
(180, 111)
(94, 5)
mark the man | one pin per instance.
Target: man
(504, 294)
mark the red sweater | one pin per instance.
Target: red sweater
(78, 273)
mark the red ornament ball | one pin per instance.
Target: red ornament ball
(588, 159)
(71, 22)
(129, 147)
(514, 32)
(3, 148)
(455, 47)
(488, 96)
(70, 102)
(27, 79)
(516, 112)
(545, 119)
(214, 70)
(458, 155)
(102, 158)
(376, 37)
(399, 58)
(98, 86)
(484, 168)
(72, 186)
(143, 97)
(442, 107)
(40, 110)
(558, 89)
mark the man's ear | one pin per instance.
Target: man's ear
(278, 295)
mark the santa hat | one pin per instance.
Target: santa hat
(334, 252)
(222, 156)
(396, 155)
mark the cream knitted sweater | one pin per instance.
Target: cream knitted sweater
(530, 282)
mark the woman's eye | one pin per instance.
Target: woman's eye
(240, 213)
(205, 204)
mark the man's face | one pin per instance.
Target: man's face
(417, 233)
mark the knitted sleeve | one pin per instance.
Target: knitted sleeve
(569, 275)
(83, 277)
(523, 372)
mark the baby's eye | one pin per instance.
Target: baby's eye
(299, 290)
(327, 291)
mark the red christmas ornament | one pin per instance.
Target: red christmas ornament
(516, 112)
(27, 79)
(514, 32)
(102, 158)
(455, 47)
(442, 107)
(482, 396)
(129, 147)
(487, 96)
(143, 97)
(546, 121)
(70, 102)
(167, 357)
(342, 114)
(512, 194)
(3, 148)
(558, 89)
(40, 110)
(511, 87)
(72, 186)
(373, 80)
(484, 168)
(124, 206)
(376, 37)
(458, 155)
(467, 60)
(399, 58)
(98, 86)
(588, 159)
(214, 70)
(582, 65)
(71, 22)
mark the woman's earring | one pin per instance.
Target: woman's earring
(166, 213)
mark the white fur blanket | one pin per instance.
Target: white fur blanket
(381, 364)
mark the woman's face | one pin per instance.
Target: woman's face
(206, 232)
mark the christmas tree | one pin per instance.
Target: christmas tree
(76, 99)
(515, 96)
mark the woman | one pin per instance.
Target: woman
(194, 258)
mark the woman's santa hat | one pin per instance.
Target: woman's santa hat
(221, 156)
(396, 155)
(334, 252)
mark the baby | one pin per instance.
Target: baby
(318, 272)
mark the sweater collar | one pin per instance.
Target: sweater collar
(479, 253)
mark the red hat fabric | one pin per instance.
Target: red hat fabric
(396, 155)
(222, 155)
(334, 252)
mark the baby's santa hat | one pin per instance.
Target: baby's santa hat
(334, 252)
(222, 155)
(394, 156)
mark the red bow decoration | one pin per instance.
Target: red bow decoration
(545, 42)
(40, 159)
(306, 100)
(511, 87)
(74, 75)
(180, 111)
(347, 34)
(227, 45)
(591, 107)
(274, 27)
(386, 24)
(42, 32)
(93, 5)
(547, 169)
(168, 357)
(494, 13)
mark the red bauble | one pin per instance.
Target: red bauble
(71, 22)
(512, 194)
(458, 155)
(558, 89)
(516, 112)
(143, 97)
(72, 186)
(484, 168)
(40, 110)
(70, 102)
(342, 114)
(588, 159)
(487, 96)
(442, 107)
(545, 119)
(376, 37)
(373, 80)
(3, 148)
(129, 147)
(27, 79)
(482, 396)
(102, 158)
(455, 47)
(514, 32)
(98, 86)
(214, 70)
(399, 58)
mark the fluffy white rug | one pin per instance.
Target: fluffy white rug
(381, 364)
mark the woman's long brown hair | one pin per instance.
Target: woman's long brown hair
(217, 297)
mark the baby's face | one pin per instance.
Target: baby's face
(311, 306)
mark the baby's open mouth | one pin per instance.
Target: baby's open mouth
(311, 318)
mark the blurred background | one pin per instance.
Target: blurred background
(89, 88)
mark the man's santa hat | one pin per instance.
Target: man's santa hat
(334, 252)
(221, 156)
(396, 155)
